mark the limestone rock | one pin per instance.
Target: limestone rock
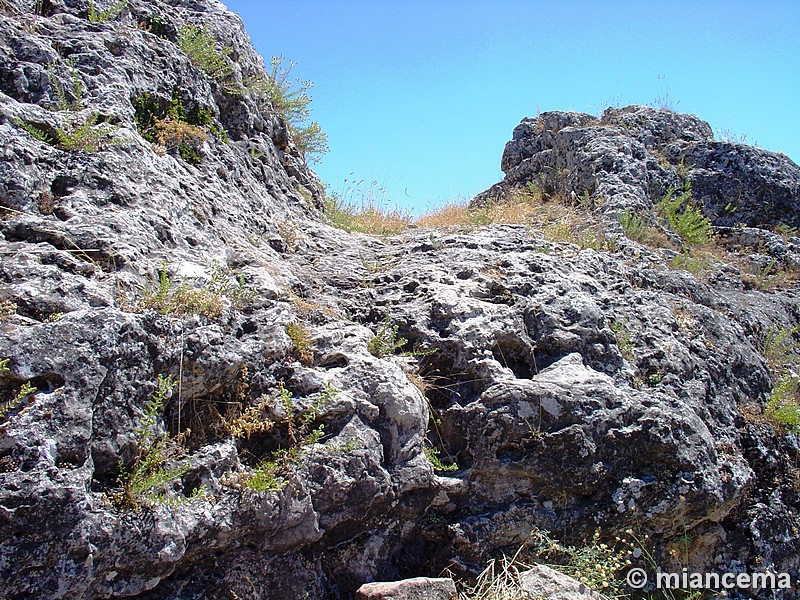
(418, 588)
(568, 389)
(543, 582)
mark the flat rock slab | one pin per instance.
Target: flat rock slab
(543, 582)
(418, 588)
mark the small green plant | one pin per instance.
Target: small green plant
(201, 48)
(782, 353)
(24, 391)
(783, 407)
(436, 461)
(159, 461)
(301, 342)
(683, 216)
(79, 136)
(624, 339)
(182, 300)
(688, 261)
(270, 474)
(633, 226)
(781, 350)
(108, 14)
(385, 342)
(266, 477)
(77, 89)
(175, 128)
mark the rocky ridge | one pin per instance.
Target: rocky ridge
(575, 390)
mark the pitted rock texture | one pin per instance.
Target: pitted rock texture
(630, 157)
(573, 390)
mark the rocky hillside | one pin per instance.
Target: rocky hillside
(208, 392)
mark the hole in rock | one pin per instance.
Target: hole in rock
(515, 354)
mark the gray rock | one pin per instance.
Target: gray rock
(418, 588)
(572, 390)
(543, 582)
(630, 157)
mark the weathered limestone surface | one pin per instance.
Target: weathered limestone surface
(555, 419)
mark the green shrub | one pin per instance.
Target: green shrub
(633, 226)
(301, 342)
(201, 48)
(270, 474)
(183, 300)
(173, 127)
(289, 98)
(693, 263)
(684, 217)
(108, 14)
(24, 392)
(625, 342)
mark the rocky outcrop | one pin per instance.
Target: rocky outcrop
(568, 389)
(630, 157)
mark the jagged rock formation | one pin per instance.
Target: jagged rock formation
(576, 390)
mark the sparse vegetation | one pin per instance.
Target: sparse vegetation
(201, 48)
(108, 14)
(625, 341)
(159, 462)
(598, 565)
(633, 226)
(7, 309)
(436, 461)
(364, 210)
(270, 473)
(301, 342)
(693, 262)
(782, 353)
(684, 217)
(80, 135)
(559, 219)
(385, 342)
(201, 297)
(290, 99)
(183, 300)
(25, 390)
(175, 128)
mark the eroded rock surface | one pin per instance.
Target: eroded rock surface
(573, 390)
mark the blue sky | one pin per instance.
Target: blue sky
(421, 96)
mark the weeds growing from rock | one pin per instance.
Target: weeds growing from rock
(782, 353)
(301, 343)
(17, 399)
(684, 217)
(201, 48)
(108, 14)
(385, 342)
(270, 473)
(433, 456)
(159, 462)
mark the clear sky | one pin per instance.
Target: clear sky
(421, 96)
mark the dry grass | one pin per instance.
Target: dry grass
(173, 133)
(560, 220)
